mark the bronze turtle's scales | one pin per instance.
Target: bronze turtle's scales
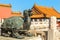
(13, 25)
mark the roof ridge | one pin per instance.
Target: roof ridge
(5, 5)
(55, 10)
(16, 13)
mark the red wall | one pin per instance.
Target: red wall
(5, 12)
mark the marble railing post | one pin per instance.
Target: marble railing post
(1, 21)
(52, 30)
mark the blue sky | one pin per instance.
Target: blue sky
(20, 5)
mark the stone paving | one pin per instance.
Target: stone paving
(26, 38)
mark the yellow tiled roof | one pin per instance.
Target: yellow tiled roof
(16, 14)
(5, 5)
(39, 10)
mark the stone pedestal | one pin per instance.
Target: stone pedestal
(51, 35)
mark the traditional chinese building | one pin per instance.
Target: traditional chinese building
(41, 20)
(41, 16)
(6, 12)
